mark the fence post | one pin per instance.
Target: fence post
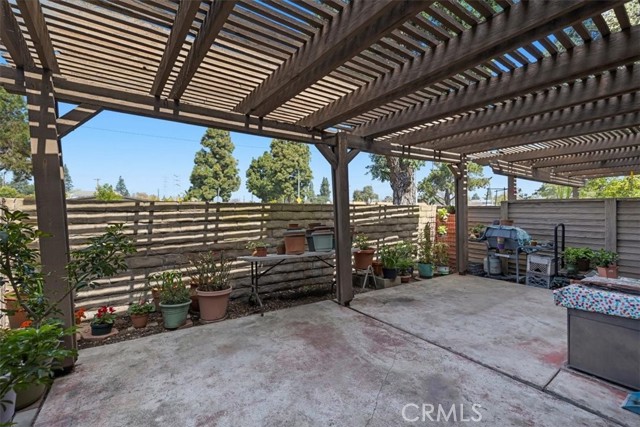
(611, 225)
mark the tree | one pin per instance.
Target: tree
(215, 170)
(106, 193)
(23, 186)
(552, 191)
(628, 186)
(15, 152)
(400, 173)
(274, 176)
(325, 191)
(475, 196)
(438, 188)
(121, 187)
(310, 194)
(68, 182)
(366, 195)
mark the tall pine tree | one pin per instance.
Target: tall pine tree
(121, 187)
(215, 170)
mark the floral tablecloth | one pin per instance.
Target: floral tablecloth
(598, 301)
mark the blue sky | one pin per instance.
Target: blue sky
(156, 156)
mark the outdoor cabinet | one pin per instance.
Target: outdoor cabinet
(605, 346)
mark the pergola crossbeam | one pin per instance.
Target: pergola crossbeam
(526, 172)
(75, 118)
(360, 24)
(630, 160)
(12, 37)
(597, 156)
(500, 34)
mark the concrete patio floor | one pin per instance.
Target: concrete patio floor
(449, 341)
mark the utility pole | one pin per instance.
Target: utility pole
(298, 172)
(97, 180)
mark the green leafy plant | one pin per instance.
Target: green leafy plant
(451, 210)
(252, 245)
(477, 230)
(141, 307)
(389, 256)
(443, 214)
(172, 289)
(210, 272)
(604, 258)
(573, 255)
(441, 254)
(425, 246)
(441, 230)
(362, 242)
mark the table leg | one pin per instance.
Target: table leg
(255, 286)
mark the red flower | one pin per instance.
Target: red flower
(25, 324)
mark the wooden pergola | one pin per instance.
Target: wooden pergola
(543, 90)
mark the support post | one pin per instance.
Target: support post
(48, 178)
(611, 225)
(462, 214)
(340, 178)
(512, 188)
(575, 193)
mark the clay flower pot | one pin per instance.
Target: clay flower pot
(139, 321)
(294, 242)
(213, 305)
(260, 251)
(363, 258)
(610, 272)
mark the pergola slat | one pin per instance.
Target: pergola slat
(603, 172)
(37, 27)
(12, 37)
(522, 25)
(525, 172)
(567, 163)
(591, 58)
(215, 20)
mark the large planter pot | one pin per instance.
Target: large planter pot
(294, 242)
(363, 258)
(175, 315)
(425, 270)
(323, 240)
(377, 268)
(389, 273)
(610, 272)
(101, 329)
(213, 305)
(8, 406)
(139, 321)
(29, 396)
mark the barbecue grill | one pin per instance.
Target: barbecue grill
(502, 238)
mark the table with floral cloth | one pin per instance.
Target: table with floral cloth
(596, 300)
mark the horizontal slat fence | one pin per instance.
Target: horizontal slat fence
(484, 215)
(166, 234)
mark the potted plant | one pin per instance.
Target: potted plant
(476, 231)
(139, 313)
(79, 314)
(441, 257)
(103, 320)
(425, 256)
(174, 298)
(606, 263)
(443, 215)
(211, 275)
(441, 230)
(257, 247)
(577, 259)
(31, 353)
(363, 257)
(389, 258)
(405, 266)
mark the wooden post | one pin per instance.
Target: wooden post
(462, 215)
(340, 178)
(575, 193)
(512, 190)
(48, 178)
(611, 225)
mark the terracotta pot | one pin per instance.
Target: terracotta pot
(610, 272)
(363, 258)
(156, 298)
(260, 251)
(294, 242)
(213, 305)
(377, 267)
(281, 248)
(293, 226)
(20, 316)
(139, 320)
(405, 279)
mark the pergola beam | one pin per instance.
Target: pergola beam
(526, 172)
(502, 33)
(580, 129)
(605, 172)
(630, 160)
(185, 15)
(75, 118)
(360, 24)
(614, 83)
(590, 58)
(622, 104)
(213, 23)
(12, 37)
(632, 140)
(34, 20)
(597, 156)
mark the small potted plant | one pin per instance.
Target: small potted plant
(425, 256)
(210, 273)
(441, 257)
(389, 258)
(139, 313)
(257, 247)
(443, 215)
(577, 259)
(103, 320)
(363, 257)
(606, 263)
(476, 231)
(441, 231)
(175, 298)
(79, 314)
